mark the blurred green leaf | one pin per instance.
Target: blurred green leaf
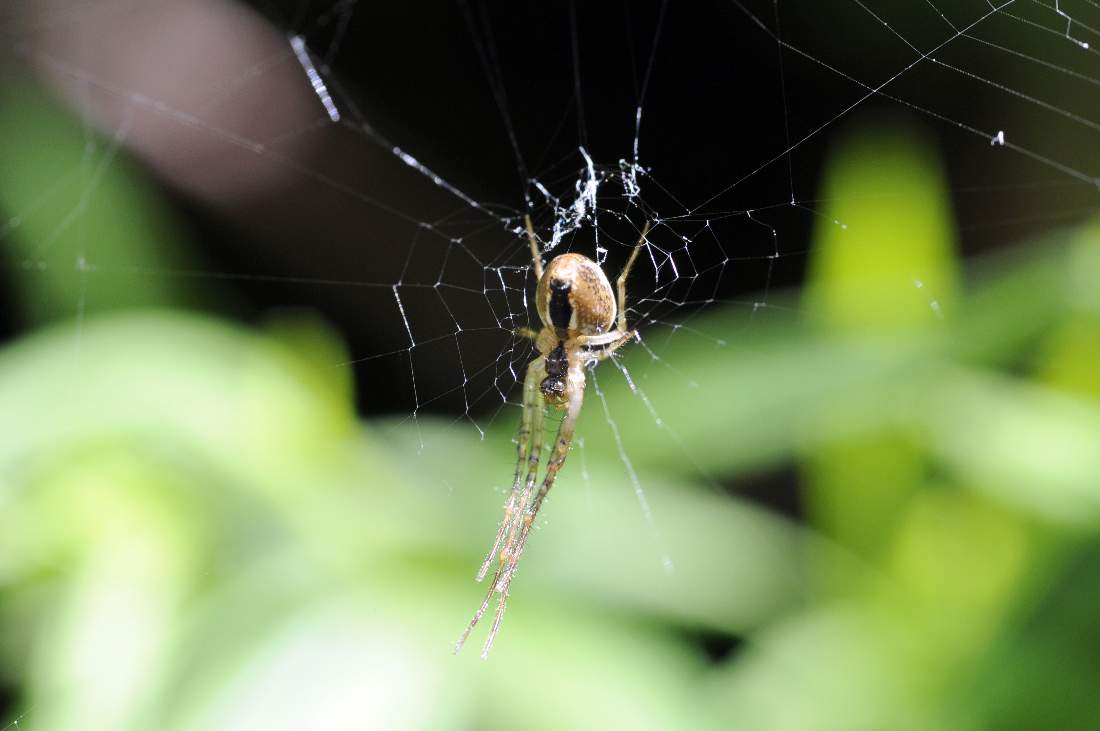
(199, 534)
(884, 253)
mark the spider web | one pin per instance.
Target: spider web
(636, 116)
(1009, 86)
(401, 212)
(19, 722)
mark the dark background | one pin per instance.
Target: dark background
(432, 77)
(463, 86)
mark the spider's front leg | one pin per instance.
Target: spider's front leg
(528, 449)
(575, 395)
(532, 410)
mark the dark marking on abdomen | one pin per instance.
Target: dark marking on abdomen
(559, 307)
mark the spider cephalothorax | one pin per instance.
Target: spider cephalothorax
(582, 323)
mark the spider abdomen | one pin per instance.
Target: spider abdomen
(575, 298)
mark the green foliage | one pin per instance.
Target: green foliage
(199, 535)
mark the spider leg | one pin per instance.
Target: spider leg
(530, 406)
(533, 415)
(538, 416)
(626, 273)
(557, 458)
(526, 332)
(601, 347)
(477, 617)
(610, 349)
(536, 255)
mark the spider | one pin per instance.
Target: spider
(582, 324)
